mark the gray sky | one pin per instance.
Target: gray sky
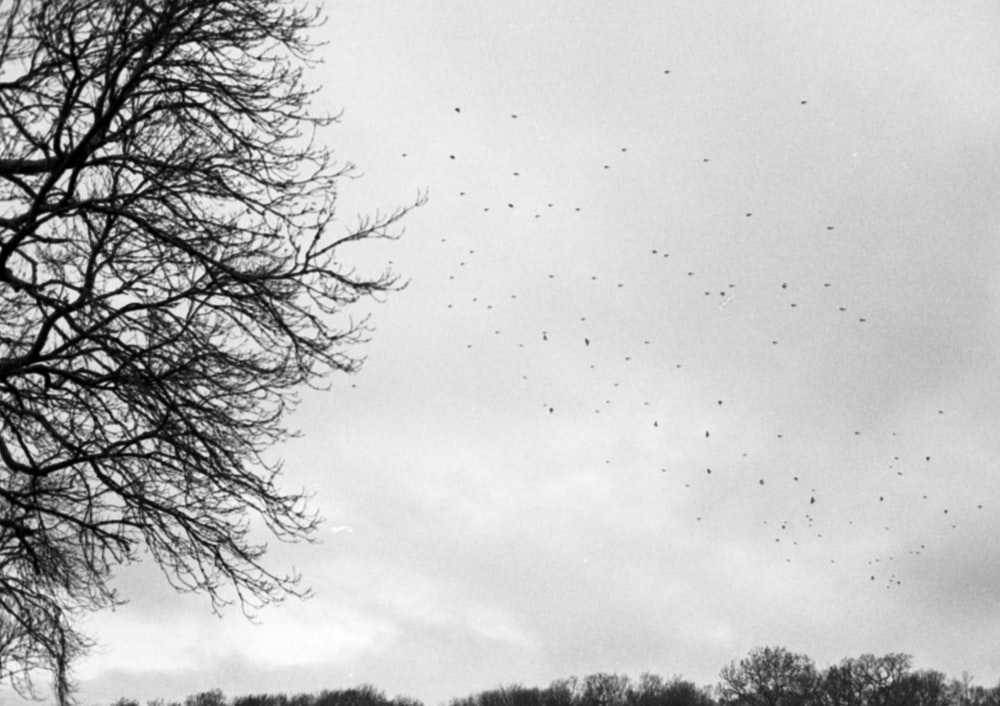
(759, 238)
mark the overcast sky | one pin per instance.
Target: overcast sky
(699, 353)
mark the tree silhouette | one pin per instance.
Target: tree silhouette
(604, 689)
(867, 679)
(215, 697)
(925, 687)
(883, 681)
(170, 272)
(653, 690)
(561, 692)
(769, 676)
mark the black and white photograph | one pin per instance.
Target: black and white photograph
(499, 353)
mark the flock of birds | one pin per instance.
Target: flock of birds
(579, 343)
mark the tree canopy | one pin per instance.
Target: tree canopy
(171, 270)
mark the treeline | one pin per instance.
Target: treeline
(774, 676)
(597, 690)
(364, 695)
(767, 676)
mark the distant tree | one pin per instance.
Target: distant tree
(561, 692)
(883, 679)
(215, 697)
(769, 676)
(978, 696)
(171, 271)
(869, 680)
(604, 689)
(261, 700)
(840, 687)
(494, 697)
(510, 695)
(363, 695)
(524, 696)
(962, 692)
(647, 688)
(653, 690)
(926, 687)
(402, 700)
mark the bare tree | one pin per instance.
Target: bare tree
(868, 680)
(769, 676)
(604, 689)
(653, 690)
(170, 272)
